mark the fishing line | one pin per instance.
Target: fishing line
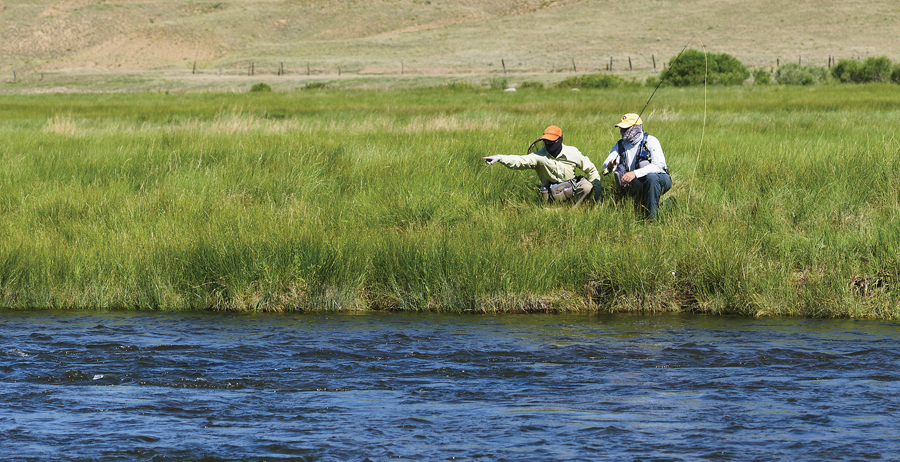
(705, 99)
(705, 95)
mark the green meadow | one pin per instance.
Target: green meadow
(786, 202)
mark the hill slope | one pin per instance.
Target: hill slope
(438, 35)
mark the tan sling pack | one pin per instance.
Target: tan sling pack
(562, 192)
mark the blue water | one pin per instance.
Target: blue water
(190, 386)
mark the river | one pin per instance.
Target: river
(78, 385)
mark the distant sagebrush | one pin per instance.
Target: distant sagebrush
(459, 85)
(592, 81)
(531, 84)
(795, 74)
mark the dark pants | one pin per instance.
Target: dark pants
(648, 189)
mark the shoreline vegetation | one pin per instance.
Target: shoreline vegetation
(341, 199)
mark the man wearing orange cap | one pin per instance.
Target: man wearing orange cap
(555, 165)
(639, 164)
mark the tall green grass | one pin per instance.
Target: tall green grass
(348, 200)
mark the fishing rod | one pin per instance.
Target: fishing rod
(663, 78)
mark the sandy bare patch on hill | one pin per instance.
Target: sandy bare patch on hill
(65, 6)
(52, 11)
(151, 48)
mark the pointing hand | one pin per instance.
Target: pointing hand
(490, 160)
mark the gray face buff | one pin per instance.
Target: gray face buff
(633, 134)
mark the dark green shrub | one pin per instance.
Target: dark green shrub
(260, 87)
(877, 69)
(728, 70)
(691, 68)
(315, 86)
(795, 74)
(652, 81)
(847, 70)
(762, 77)
(895, 76)
(592, 81)
(688, 69)
(871, 70)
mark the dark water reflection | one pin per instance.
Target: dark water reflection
(187, 386)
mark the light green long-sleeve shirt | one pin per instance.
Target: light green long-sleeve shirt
(551, 170)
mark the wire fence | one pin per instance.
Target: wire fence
(610, 64)
(268, 67)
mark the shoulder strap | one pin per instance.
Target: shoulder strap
(644, 148)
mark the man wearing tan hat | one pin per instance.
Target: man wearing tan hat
(639, 164)
(555, 165)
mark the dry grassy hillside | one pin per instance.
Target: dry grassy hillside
(435, 36)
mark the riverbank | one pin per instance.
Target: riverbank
(379, 200)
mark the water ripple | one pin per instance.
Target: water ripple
(200, 386)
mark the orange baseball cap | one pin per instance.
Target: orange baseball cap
(552, 133)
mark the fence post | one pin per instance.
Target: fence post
(610, 64)
(221, 68)
(307, 68)
(194, 70)
(339, 71)
(503, 63)
(777, 62)
(800, 60)
(14, 75)
(573, 65)
(630, 67)
(402, 70)
(654, 61)
(281, 69)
